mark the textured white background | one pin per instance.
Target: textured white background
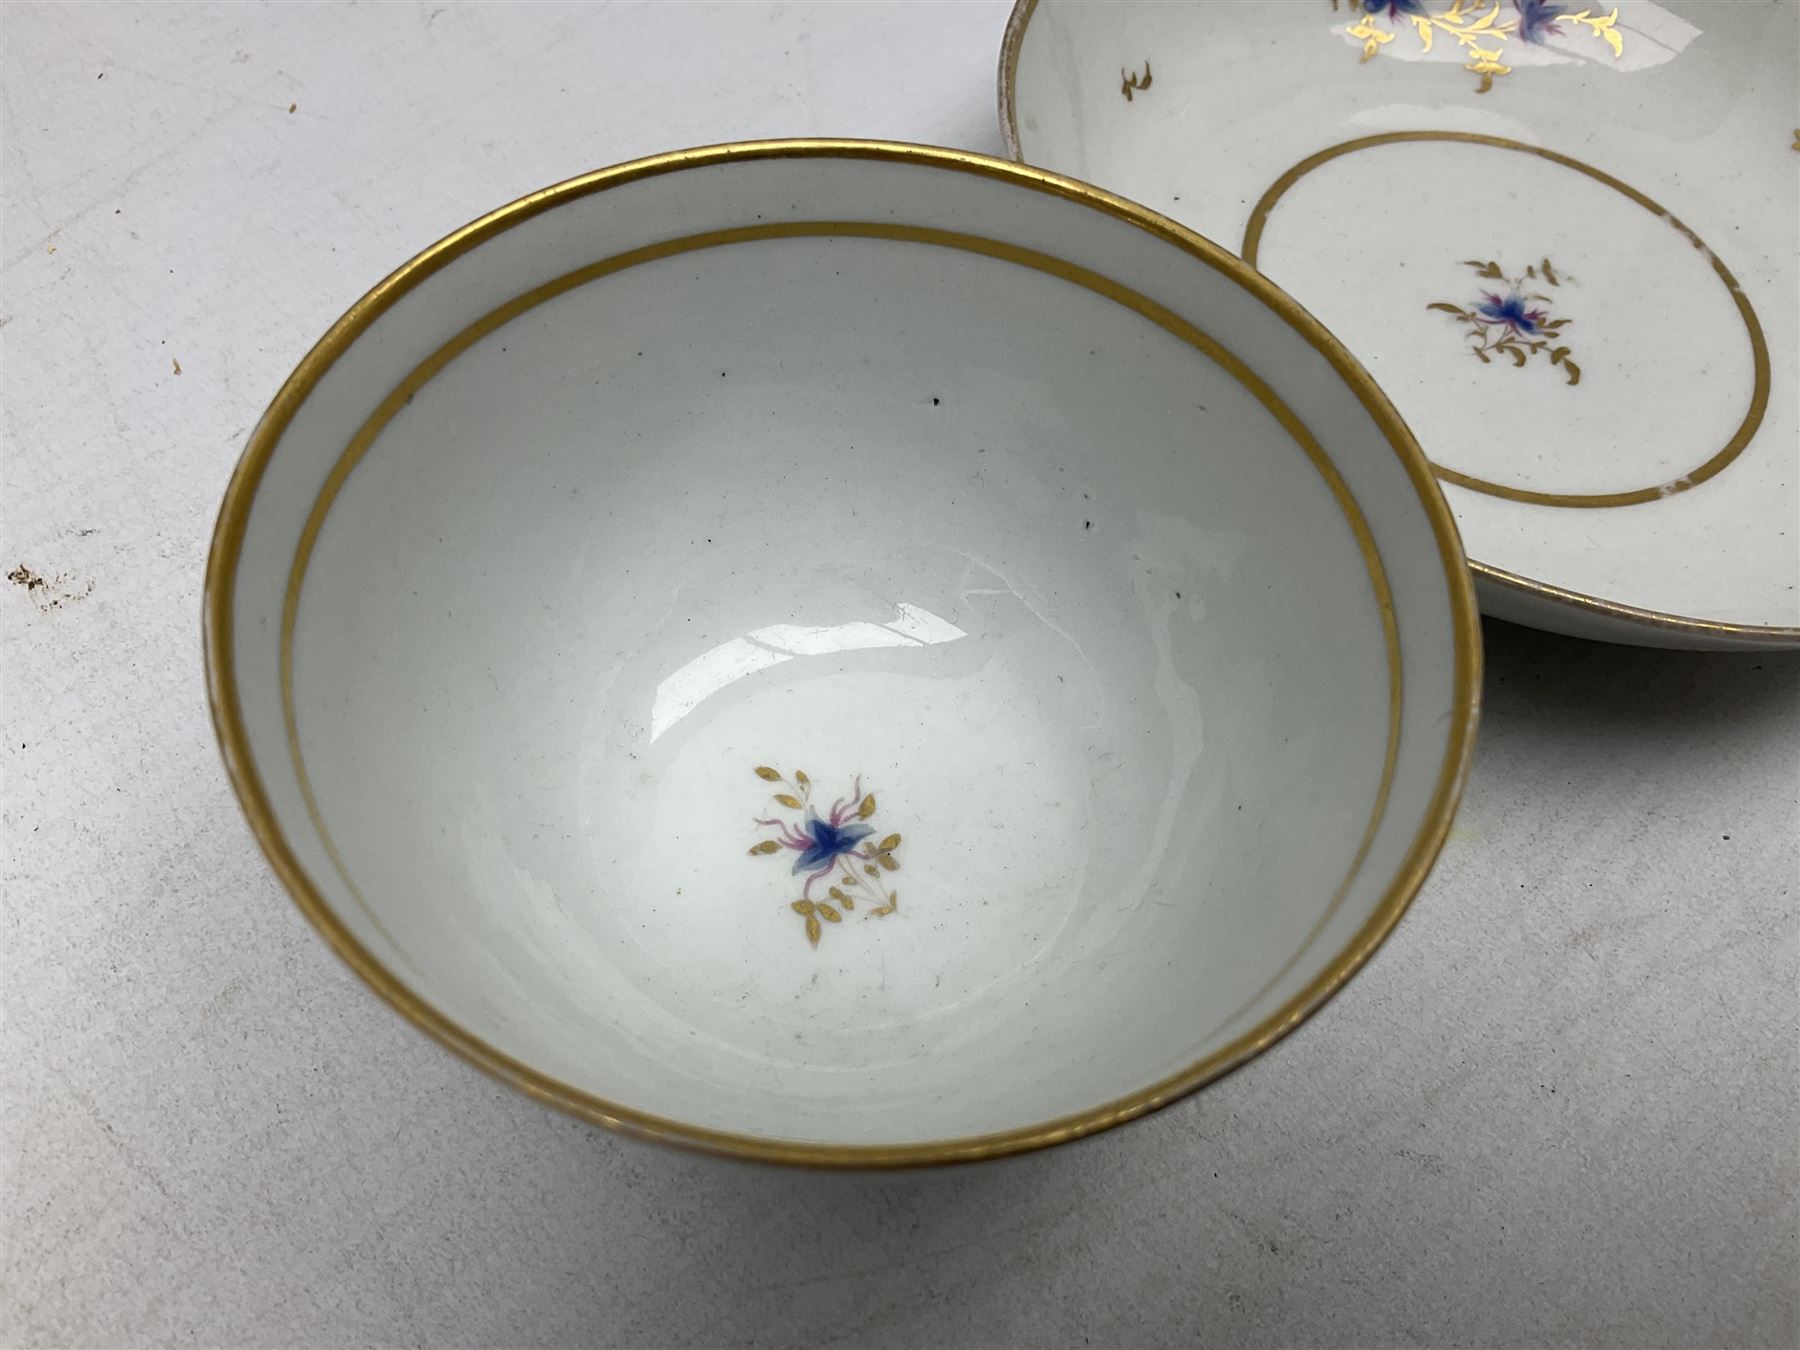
(1562, 1105)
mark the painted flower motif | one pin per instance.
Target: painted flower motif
(1479, 29)
(1515, 323)
(1509, 309)
(1537, 19)
(827, 841)
(835, 847)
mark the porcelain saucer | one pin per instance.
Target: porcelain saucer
(1562, 237)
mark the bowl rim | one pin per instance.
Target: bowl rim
(219, 595)
(1749, 635)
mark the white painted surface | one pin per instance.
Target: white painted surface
(1559, 1107)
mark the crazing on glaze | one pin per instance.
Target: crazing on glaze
(1481, 27)
(837, 846)
(1513, 321)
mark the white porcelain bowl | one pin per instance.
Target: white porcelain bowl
(841, 653)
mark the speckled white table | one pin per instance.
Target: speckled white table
(1561, 1107)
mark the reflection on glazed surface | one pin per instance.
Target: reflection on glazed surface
(680, 693)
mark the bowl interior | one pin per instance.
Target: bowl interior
(857, 681)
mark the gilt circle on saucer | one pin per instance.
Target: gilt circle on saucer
(1552, 335)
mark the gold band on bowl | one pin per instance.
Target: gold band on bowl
(246, 779)
(1494, 577)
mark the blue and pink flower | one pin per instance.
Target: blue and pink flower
(1515, 323)
(836, 846)
(821, 840)
(1509, 309)
(1537, 19)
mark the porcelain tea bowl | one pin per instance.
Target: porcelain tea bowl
(841, 653)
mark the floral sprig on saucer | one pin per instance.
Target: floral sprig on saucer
(1513, 321)
(1482, 28)
(837, 846)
